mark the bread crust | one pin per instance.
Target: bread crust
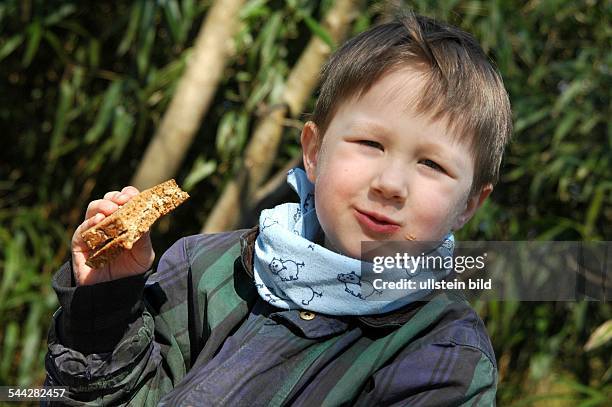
(125, 226)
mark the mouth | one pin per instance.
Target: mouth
(377, 223)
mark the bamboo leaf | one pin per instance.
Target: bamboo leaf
(261, 89)
(269, 37)
(56, 44)
(224, 133)
(75, 27)
(130, 33)
(590, 122)
(529, 120)
(10, 45)
(59, 14)
(9, 347)
(569, 93)
(147, 37)
(318, 30)
(581, 388)
(188, 8)
(200, 170)
(167, 75)
(189, 11)
(15, 259)
(565, 125)
(96, 160)
(61, 118)
(105, 113)
(515, 174)
(594, 210)
(552, 233)
(31, 342)
(254, 9)
(66, 148)
(94, 52)
(144, 53)
(3, 12)
(35, 34)
(173, 17)
(242, 128)
(123, 124)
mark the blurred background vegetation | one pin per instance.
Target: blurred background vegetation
(84, 86)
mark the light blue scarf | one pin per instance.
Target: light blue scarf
(293, 272)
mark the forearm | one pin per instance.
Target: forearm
(93, 319)
(103, 341)
(100, 336)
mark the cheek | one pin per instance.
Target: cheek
(335, 180)
(432, 211)
(434, 207)
(431, 197)
(334, 191)
(329, 190)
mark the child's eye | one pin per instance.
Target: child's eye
(433, 165)
(371, 143)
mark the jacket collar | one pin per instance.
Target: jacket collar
(391, 319)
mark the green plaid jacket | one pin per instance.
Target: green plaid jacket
(195, 332)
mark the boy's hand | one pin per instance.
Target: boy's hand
(130, 262)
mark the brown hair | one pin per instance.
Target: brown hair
(461, 84)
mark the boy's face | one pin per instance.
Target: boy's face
(384, 172)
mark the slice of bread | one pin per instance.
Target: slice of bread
(125, 226)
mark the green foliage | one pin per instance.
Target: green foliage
(88, 82)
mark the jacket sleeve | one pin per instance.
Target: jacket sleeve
(438, 374)
(106, 343)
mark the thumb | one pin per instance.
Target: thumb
(77, 240)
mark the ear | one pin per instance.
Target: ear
(310, 149)
(471, 206)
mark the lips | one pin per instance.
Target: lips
(376, 223)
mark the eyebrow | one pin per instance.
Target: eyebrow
(369, 126)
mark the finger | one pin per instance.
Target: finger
(125, 195)
(130, 191)
(111, 194)
(100, 205)
(122, 198)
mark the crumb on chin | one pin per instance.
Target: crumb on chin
(410, 237)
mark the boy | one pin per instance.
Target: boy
(405, 143)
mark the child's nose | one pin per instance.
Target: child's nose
(391, 183)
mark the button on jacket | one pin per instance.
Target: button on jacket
(196, 333)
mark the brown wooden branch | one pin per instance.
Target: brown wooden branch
(275, 181)
(194, 92)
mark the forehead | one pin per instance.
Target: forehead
(390, 106)
(400, 86)
(389, 101)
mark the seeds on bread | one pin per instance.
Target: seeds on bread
(125, 226)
